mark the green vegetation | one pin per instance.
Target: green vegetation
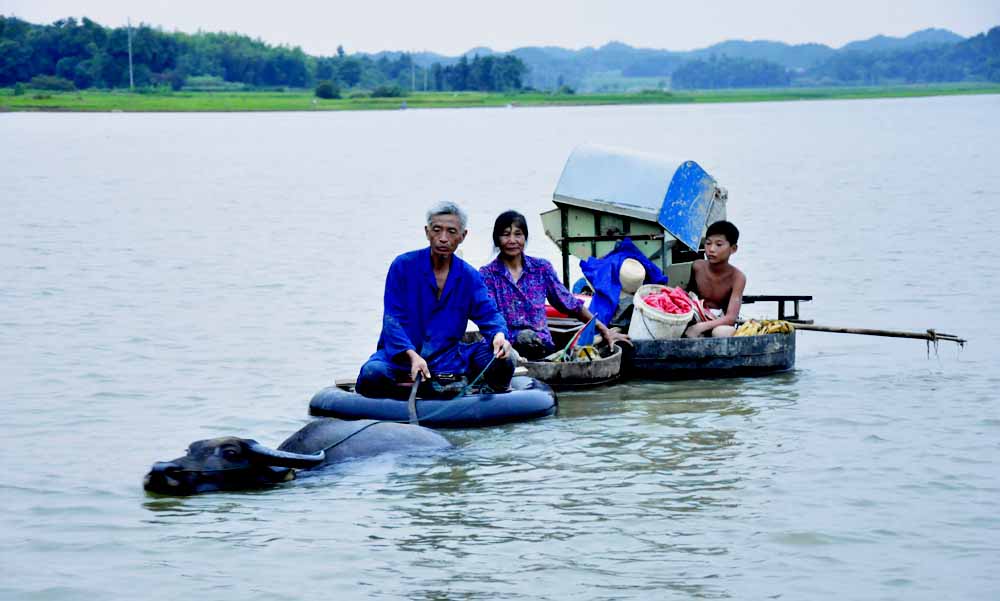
(71, 54)
(727, 72)
(929, 56)
(486, 73)
(85, 55)
(616, 82)
(49, 82)
(975, 59)
(305, 100)
(387, 92)
(327, 90)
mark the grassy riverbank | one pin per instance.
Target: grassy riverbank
(304, 100)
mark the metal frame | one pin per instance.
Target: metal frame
(781, 299)
(566, 239)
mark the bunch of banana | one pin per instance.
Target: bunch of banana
(778, 326)
(767, 326)
(749, 328)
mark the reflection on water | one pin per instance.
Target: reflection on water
(647, 465)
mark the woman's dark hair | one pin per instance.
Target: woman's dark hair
(505, 220)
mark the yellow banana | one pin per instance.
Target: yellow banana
(767, 326)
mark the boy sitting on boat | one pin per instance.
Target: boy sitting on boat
(717, 284)
(430, 295)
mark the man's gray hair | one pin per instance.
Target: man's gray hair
(448, 208)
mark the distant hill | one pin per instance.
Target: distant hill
(800, 56)
(618, 66)
(881, 43)
(973, 59)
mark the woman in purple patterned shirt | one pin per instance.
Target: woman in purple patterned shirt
(520, 284)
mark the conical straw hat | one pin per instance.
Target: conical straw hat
(632, 274)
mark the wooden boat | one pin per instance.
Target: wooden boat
(576, 374)
(664, 206)
(569, 375)
(686, 358)
(689, 358)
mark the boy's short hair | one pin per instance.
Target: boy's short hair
(724, 228)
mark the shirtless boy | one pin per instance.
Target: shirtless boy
(718, 283)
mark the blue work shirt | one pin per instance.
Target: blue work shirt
(415, 318)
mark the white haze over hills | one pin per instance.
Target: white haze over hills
(789, 55)
(592, 68)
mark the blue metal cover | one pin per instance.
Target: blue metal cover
(687, 204)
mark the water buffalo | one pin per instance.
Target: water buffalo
(231, 463)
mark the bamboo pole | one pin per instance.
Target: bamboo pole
(930, 335)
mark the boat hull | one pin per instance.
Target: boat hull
(529, 399)
(577, 374)
(687, 358)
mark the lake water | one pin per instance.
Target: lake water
(170, 277)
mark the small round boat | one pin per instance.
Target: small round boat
(685, 358)
(528, 399)
(571, 375)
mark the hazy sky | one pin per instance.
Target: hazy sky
(453, 26)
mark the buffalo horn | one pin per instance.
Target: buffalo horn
(284, 458)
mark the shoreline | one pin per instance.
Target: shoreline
(304, 100)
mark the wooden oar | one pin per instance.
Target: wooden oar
(930, 335)
(411, 404)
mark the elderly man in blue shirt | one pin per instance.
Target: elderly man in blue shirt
(430, 295)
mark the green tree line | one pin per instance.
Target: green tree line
(729, 72)
(90, 55)
(486, 73)
(974, 59)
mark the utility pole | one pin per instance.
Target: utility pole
(413, 75)
(131, 76)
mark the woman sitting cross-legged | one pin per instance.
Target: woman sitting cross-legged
(520, 284)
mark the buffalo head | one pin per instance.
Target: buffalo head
(227, 463)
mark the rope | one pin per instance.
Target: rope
(462, 393)
(324, 449)
(470, 384)
(355, 433)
